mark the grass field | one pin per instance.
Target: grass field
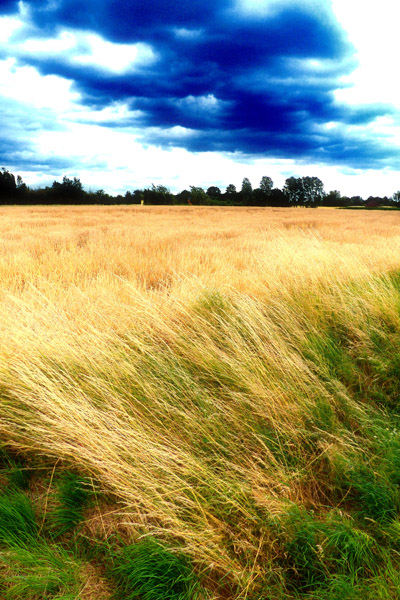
(199, 402)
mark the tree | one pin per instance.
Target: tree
(198, 195)
(183, 197)
(70, 190)
(277, 198)
(333, 198)
(307, 191)
(214, 192)
(7, 184)
(293, 190)
(157, 194)
(246, 193)
(247, 188)
(396, 196)
(230, 191)
(313, 191)
(266, 185)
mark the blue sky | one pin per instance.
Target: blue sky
(201, 92)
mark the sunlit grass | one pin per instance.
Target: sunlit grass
(229, 378)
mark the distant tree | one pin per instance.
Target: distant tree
(396, 196)
(157, 194)
(266, 185)
(8, 185)
(198, 195)
(12, 189)
(70, 190)
(260, 196)
(138, 196)
(183, 197)
(313, 191)
(214, 192)
(277, 198)
(306, 191)
(101, 197)
(246, 192)
(21, 186)
(333, 198)
(134, 197)
(293, 190)
(230, 191)
(375, 201)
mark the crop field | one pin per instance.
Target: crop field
(199, 403)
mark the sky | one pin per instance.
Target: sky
(123, 94)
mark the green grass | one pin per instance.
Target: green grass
(17, 519)
(148, 570)
(40, 571)
(73, 494)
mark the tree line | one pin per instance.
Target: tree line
(297, 191)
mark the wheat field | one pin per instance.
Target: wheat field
(210, 370)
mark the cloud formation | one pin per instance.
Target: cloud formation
(233, 76)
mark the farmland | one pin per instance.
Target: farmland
(202, 391)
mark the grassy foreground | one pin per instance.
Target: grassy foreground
(199, 403)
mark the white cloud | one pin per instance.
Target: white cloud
(188, 34)
(8, 26)
(267, 8)
(373, 29)
(207, 102)
(53, 46)
(72, 46)
(25, 85)
(117, 58)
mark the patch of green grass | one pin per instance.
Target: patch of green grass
(73, 495)
(148, 570)
(14, 469)
(40, 571)
(325, 552)
(349, 550)
(373, 496)
(17, 519)
(303, 556)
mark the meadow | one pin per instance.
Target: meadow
(199, 403)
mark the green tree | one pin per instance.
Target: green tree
(333, 198)
(266, 185)
(70, 190)
(198, 195)
(8, 185)
(214, 192)
(183, 197)
(293, 190)
(157, 194)
(230, 191)
(313, 191)
(247, 188)
(246, 193)
(306, 191)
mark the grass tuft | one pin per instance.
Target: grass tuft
(73, 495)
(17, 519)
(150, 571)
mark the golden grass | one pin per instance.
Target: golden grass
(154, 347)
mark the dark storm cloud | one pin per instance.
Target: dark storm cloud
(255, 85)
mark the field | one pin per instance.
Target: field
(199, 402)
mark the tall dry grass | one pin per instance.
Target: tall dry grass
(174, 354)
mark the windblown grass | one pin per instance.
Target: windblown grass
(224, 380)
